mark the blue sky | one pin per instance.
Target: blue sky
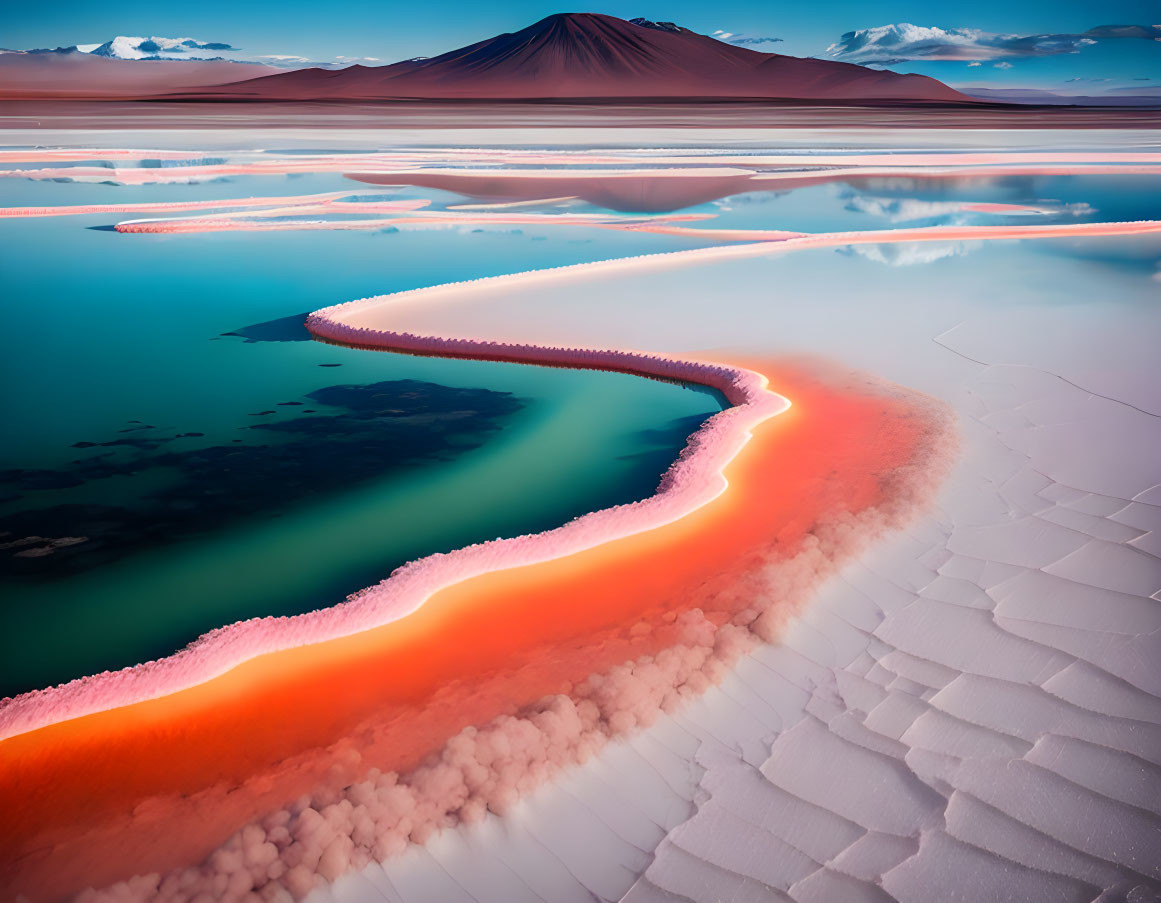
(389, 31)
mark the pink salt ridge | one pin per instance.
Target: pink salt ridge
(360, 814)
(274, 165)
(369, 164)
(775, 242)
(253, 221)
(41, 155)
(193, 172)
(695, 479)
(82, 209)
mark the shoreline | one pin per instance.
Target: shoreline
(692, 481)
(219, 651)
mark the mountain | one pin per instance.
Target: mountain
(591, 56)
(71, 73)
(124, 47)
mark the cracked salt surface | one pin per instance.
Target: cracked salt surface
(970, 711)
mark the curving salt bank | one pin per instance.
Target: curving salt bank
(255, 221)
(246, 220)
(374, 314)
(352, 816)
(68, 154)
(82, 209)
(692, 481)
(395, 165)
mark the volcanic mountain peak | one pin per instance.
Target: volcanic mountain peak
(590, 56)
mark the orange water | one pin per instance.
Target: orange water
(198, 764)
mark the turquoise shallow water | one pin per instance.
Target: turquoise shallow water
(186, 458)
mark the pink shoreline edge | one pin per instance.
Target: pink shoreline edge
(82, 209)
(252, 221)
(692, 481)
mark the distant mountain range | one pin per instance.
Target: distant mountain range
(575, 56)
(583, 57)
(124, 47)
(587, 56)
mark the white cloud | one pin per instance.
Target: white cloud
(904, 41)
(1002, 65)
(125, 47)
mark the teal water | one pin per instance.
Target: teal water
(187, 460)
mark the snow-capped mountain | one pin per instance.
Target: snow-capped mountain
(124, 47)
(186, 50)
